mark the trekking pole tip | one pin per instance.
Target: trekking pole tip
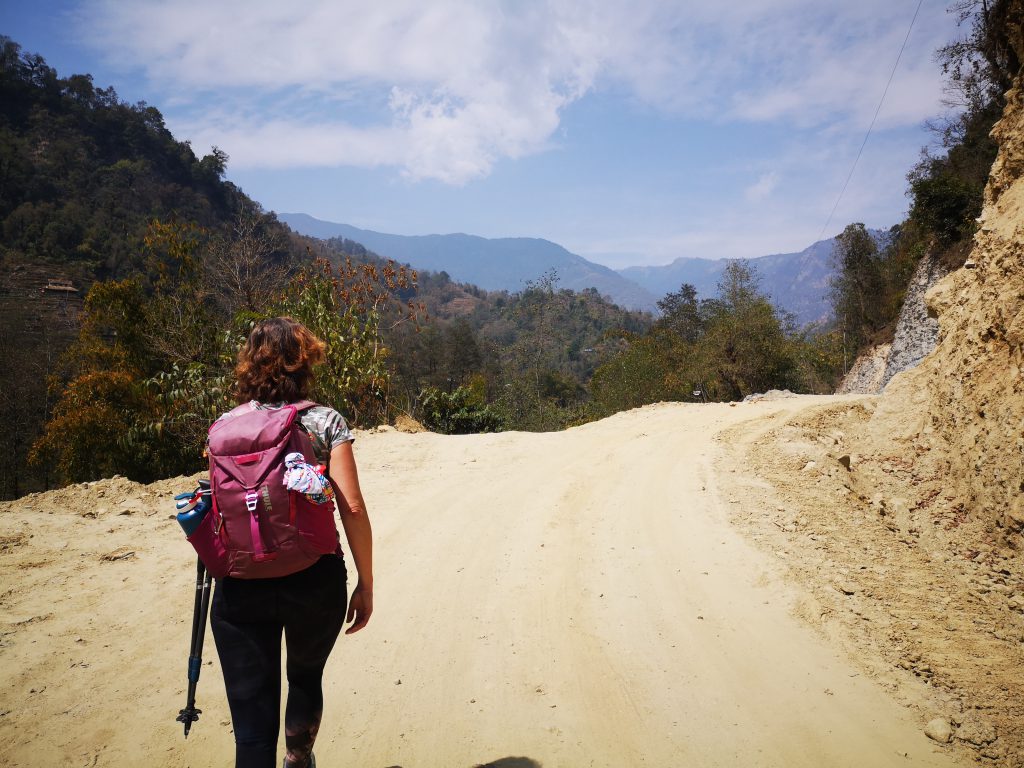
(188, 716)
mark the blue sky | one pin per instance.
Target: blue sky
(629, 132)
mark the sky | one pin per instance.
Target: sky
(632, 132)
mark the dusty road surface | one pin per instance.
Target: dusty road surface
(568, 599)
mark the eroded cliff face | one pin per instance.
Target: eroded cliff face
(916, 330)
(866, 374)
(915, 337)
(963, 406)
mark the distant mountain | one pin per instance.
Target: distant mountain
(494, 264)
(796, 282)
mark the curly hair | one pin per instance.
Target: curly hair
(276, 362)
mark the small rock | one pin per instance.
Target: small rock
(809, 466)
(939, 730)
(976, 730)
(845, 460)
(121, 553)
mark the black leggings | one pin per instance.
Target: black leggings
(247, 618)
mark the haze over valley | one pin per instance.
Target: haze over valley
(797, 282)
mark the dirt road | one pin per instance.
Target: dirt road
(567, 599)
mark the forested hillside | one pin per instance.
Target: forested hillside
(945, 187)
(83, 176)
(489, 360)
(83, 172)
(132, 270)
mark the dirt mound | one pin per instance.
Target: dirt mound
(407, 424)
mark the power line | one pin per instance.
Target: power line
(873, 119)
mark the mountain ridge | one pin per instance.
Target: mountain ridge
(485, 262)
(797, 282)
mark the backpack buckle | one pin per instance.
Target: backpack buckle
(251, 500)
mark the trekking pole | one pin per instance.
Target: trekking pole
(190, 714)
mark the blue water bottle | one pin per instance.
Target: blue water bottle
(193, 506)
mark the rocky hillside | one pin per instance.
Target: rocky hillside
(917, 329)
(968, 395)
(915, 336)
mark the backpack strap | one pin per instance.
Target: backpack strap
(300, 406)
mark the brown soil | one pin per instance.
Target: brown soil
(917, 588)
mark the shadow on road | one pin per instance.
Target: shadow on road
(504, 762)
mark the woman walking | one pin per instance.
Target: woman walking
(248, 616)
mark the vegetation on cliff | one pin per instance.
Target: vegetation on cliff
(945, 187)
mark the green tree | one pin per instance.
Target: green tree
(857, 285)
(981, 66)
(345, 308)
(640, 374)
(462, 351)
(718, 349)
(462, 411)
(746, 339)
(680, 313)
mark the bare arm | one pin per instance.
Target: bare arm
(356, 523)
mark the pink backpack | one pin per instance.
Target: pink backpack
(257, 528)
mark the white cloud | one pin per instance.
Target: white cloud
(455, 86)
(762, 188)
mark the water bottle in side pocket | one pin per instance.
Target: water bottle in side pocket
(192, 506)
